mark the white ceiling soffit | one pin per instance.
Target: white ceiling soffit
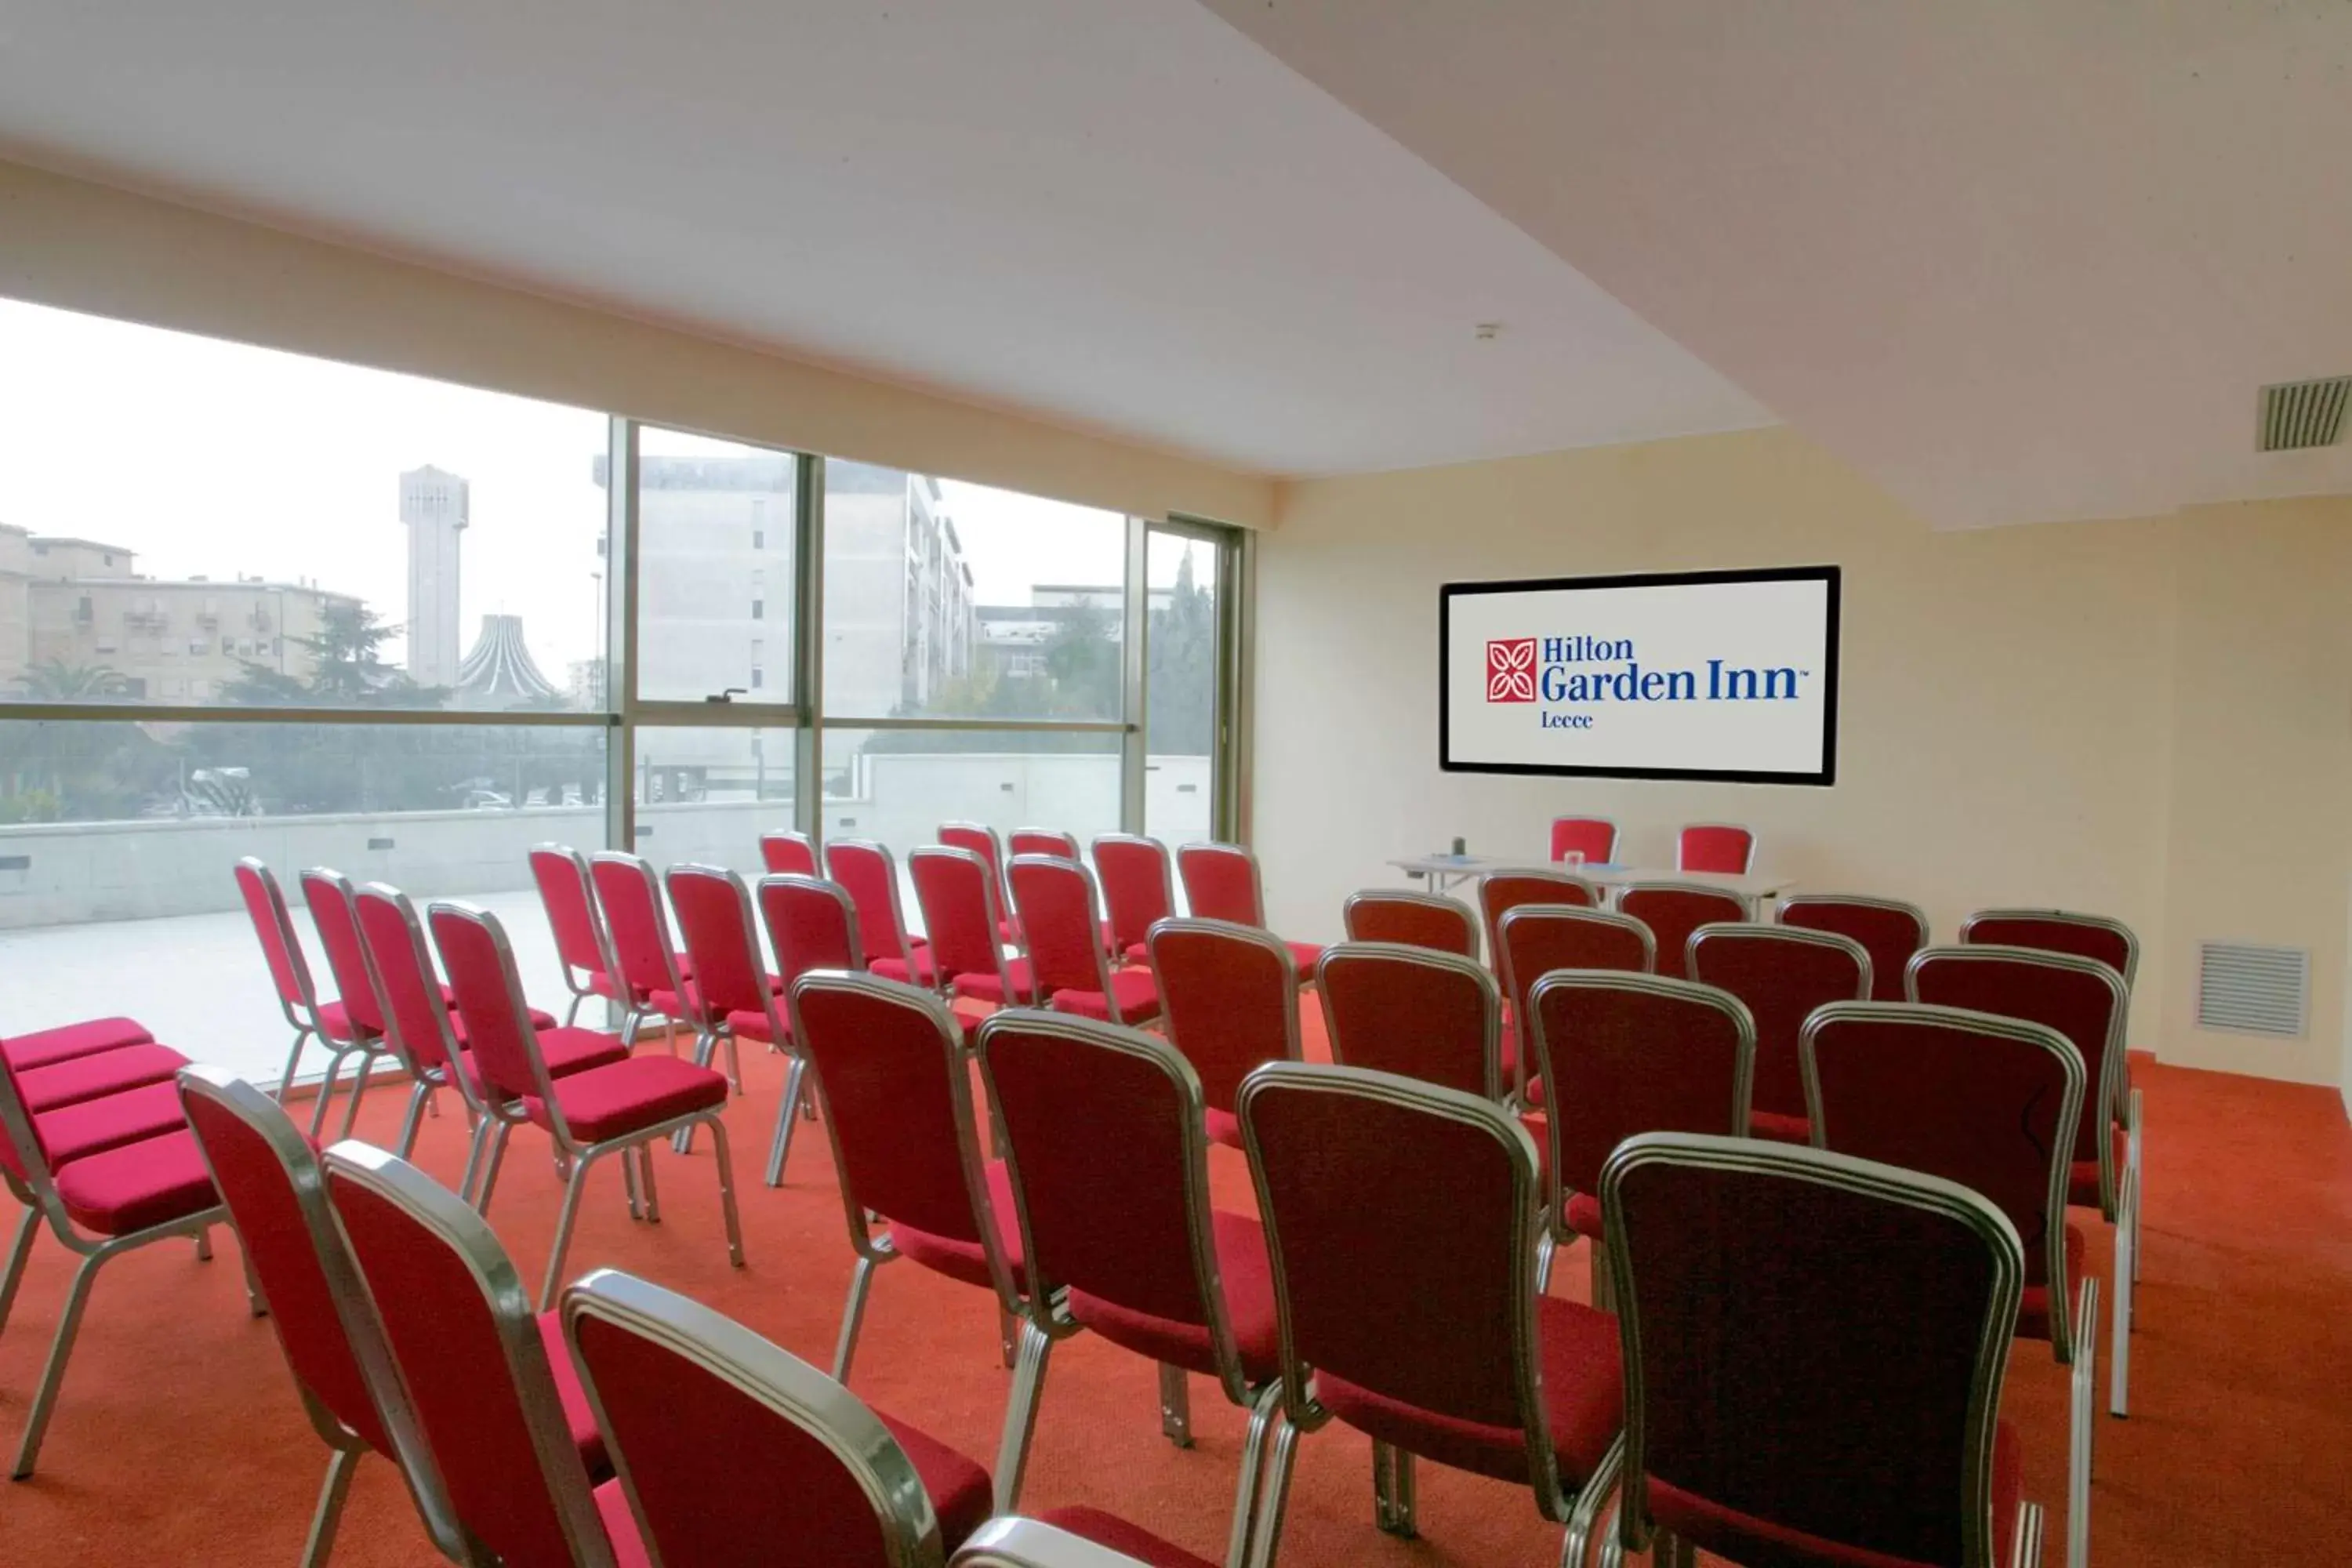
(1117, 214)
(2017, 261)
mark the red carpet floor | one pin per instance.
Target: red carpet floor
(180, 1441)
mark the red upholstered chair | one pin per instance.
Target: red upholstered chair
(66, 1042)
(1136, 889)
(1986, 1102)
(730, 1449)
(488, 1381)
(1814, 1350)
(1414, 1011)
(355, 1016)
(622, 1108)
(812, 924)
(1054, 901)
(957, 894)
(1402, 1219)
(1724, 847)
(1889, 930)
(732, 996)
(895, 1083)
(1222, 883)
(289, 973)
(1107, 1148)
(269, 1175)
(583, 948)
(868, 873)
(2085, 1000)
(1041, 841)
(101, 1191)
(786, 854)
(1507, 890)
(1071, 1538)
(653, 973)
(1631, 1052)
(1673, 911)
(982, 841)
(1593, 837)
(1533, 940)
(1781, 974)
(1230, 997)
(1411, 919)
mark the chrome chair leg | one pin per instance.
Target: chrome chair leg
(413, 1123)
(1546, 1249)
(53, 1373)
(498, 1155)
(781, 1144)
(1175, 1405)
(293, 1060)
(570, 1211)
(2119, 1312)
(1392, 1491)
(734, 1063)
(1021, 1415)
(1276, 1499)
(326, 1093)
(204, 1244)
(1604, 1285)
(359, 1091)
(2027, 1553)
(1008, 1335)
(1592, 1509)
(474, 1143)
(853, 1318)
(653, 1193)
(572, 1013)
(2080, 1418)
(1263, 1411)
(629, 1182)
(321, 1544)
(20, 1249)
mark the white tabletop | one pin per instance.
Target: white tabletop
(1751, 885)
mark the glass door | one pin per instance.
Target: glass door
(1190, 643)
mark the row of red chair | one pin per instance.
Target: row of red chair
(1717, 847)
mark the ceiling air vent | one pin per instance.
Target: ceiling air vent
(2251, 990)
(2299, 414)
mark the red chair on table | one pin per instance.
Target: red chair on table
(1106, 1149)
(1230, 999)
(982, 841)
(1815, 1350)
(1781, 974)
(957, 894)
(1041, 841)
(1411, 919)
(733, 995)
(787, 854)
(583, 950)
(1594, 839)
(1673, 911)
(1222, 883)
(1533, 940)
(895, 1083)
(1889, 930)
(1136, 891)
(1985, 1102)
(653, 973)
(1507, 890)
(495, 1401)
(268, 1176)
(103, 1194)
(1435, 1018)
(1723, 847)
(1401, 1220)
(1631, 1052)
(624, 1108)
(2085, 1000)
(1054, 901)
(867, 872)
(328, 1023)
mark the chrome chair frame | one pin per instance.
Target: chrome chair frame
(634, 1014)
(604, 938)
(1507, 972)
(370, 1047)
(1255, 936)
(1434, 902)
(712, 1028)
(1469, 971)
(1746, 908)
(426, 1078)
(988, 901)
(890, 885)
(1013, 1542)
(1490, 920)
(1917, 916)
(1094, 921)
(790, 836)
(1160, 853)
(780, 1142)
(301, 1010)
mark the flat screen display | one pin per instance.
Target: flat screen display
(1689, 675)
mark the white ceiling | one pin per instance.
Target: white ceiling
(1118, 215)
(2018, 260)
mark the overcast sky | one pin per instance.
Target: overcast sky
(210, 458)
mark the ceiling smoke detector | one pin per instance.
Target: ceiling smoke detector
(2298, 414)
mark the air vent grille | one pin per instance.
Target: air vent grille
(2246, 989)
(2300, 414)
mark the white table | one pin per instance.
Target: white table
(1446, 872)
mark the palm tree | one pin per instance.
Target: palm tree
(55, 680)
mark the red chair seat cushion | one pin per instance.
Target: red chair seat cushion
(539, 1019)
(1584, 1397)
(1745, 1538)
(150, 1182)
(961, 1495)
(621, 1527)
(77, 1131)
(986, 987)
(965, 1260)
(47, 1047)
(335, 1023)
(2033, 1306)
(1584, 1216)
(1248, 1280)
(1223, 1127)
(1131, 1539)
(1779, 1129)
(1136, 991)
(628, 1097)
(921, 971)
(93, 1077)
(579, 1415)
(2083, 1179)
(746, 1024)
(566, 1051)
(1304, 956)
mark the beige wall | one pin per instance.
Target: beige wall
(2147, 719)
(86, 247)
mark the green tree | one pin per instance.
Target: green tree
(1181, 677)
(55, 680)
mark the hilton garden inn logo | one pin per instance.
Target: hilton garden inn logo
(1596, 669)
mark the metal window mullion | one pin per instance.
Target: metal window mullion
(621, 635)
(808, 651)
(1237, 635)
(1134, 663)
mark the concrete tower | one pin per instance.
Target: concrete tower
(433, 505)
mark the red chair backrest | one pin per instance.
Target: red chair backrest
(1777, 1302)
(460, 1327)
(1135, 886)
(1672, 911)
(812, 924)
(637, 923)
(1221, 883)
(714, 918)
(1536, 938)
(1054, 901)
(1229, 997)
(1715, 846)
(1041, 841)
(1595, 838)
(981, 840)
(730, 1449)
(866, 872)
(565, 892)
(958, 898)
(2081, 999)
(418, 1018)
(788, 854)
(265, 904)
(2058, 931)
(1434, 1016)
(1783, 973)
(1636, 1053)
(499, 1031)
(1888, 930)
(1507, 890)
(328, 895)
(1411, 919)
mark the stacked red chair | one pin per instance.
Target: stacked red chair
(1723, 847)
(584, 949)
(1222, 883)
(1889, 930)
(787, 854)
(1137, 892)
(867, 872)
(1533, 940)
(1411, 919)
(1060, 919)
(1230, 996)
(1781, 974)
(1673, 911)
(1415, 1012)
(1814, 1350)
